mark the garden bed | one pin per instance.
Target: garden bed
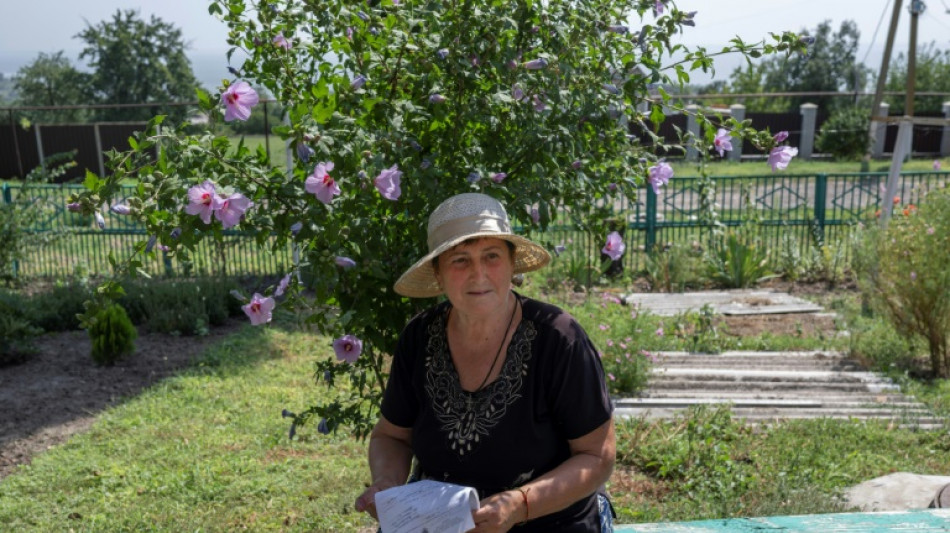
(59, 391)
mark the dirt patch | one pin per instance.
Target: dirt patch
(810, 325)
(59, 391)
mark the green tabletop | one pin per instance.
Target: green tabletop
(923, 520)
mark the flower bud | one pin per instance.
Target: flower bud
(536, 64)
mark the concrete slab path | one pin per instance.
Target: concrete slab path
(765, 387)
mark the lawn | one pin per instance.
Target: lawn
(207, 450)
(759, 167)
(683, 168)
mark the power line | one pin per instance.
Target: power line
(874, 37)
(931, 16)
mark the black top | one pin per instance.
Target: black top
(551, 389)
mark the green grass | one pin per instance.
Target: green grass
(683, 168)
(208, 450)
(278, 147)
(204, 451)
(706, 465)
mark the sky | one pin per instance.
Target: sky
(36, 26)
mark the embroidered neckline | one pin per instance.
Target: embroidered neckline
(467, 418)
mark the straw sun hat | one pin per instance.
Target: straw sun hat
(460, 218)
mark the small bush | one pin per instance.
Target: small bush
(619, 337)
(903, 271)
(16, 331)
(845, 134)
(56, 309)
(738, 260)
(875, 341)
(573, 266)
(818, 262)
(112, 335)
(672, 269)
(180, 307)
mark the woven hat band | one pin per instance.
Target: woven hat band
(460, 227)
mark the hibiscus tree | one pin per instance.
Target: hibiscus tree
(392, 107)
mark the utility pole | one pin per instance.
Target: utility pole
(882, 76)
(916, 8)
(905, 131)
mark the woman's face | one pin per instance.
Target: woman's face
(476, 275)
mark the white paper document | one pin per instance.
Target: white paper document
(426, 507)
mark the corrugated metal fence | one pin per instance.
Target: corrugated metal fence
(804, 206)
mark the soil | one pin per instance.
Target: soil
(59, 391)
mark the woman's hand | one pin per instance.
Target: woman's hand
(390, 455)
(366, 503)
(499, 512)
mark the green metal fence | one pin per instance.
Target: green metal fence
(825, 206)
(72, 243)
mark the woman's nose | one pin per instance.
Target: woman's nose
(478, 269)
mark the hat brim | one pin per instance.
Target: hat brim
(419, 280)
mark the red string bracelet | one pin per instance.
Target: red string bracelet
(524, 496)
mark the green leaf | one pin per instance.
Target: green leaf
(91, 181)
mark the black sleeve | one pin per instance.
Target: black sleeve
(578, 390)
(400, 402)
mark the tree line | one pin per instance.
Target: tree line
(130, 60)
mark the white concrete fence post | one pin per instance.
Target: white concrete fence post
(738, 112)
(880, 131)
(692, 126)
(806, 146)
(945, 140)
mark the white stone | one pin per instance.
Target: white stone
(900, 491)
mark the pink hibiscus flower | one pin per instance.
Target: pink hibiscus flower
(321, 184)
(231, 209)
(202, 201)
(259, 309)
(348, 348)
(238, 100)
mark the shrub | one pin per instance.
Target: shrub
(539, 114)
(180, 307)
(57, 309)
(620, 338)
(845, 134)
(738, 260)
(15, 330)
(671, 269)
(112, 335)
(903, 271)
(818, 262)
(875, 341)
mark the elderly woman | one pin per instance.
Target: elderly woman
(494, 390)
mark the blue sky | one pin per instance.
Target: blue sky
(49, 25)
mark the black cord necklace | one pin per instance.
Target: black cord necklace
(503, 338)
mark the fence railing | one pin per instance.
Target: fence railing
(805, 207)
